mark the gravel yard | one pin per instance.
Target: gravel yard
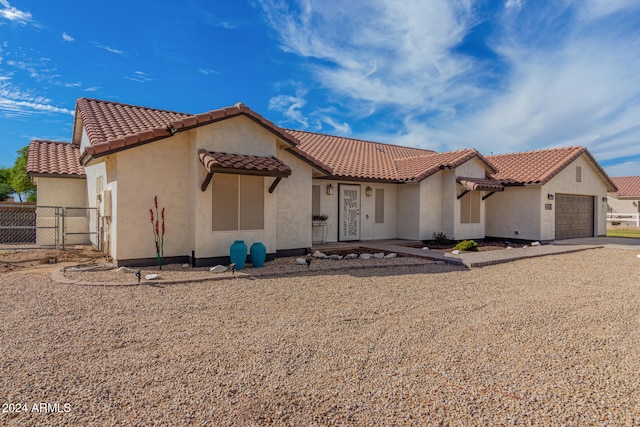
(542, 341)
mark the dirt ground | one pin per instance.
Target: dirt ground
(24, 259)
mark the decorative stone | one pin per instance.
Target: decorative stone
(509, 247)
(335, 256)
(426, 248)
(391, 255)
(186, 265)
(318, 254)
(351, 256)
(535, 244)
(218, 269)
(365, 256)
(301, 261)
(525, 246)
(455, 252)
(124, 270)
(378, 255)
(151, 276)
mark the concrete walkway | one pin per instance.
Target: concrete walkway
(480, 259)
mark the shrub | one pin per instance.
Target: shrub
(319, 217)
(467, 245)
(441, 239)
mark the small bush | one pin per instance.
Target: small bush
(441, 239)
(467, 245)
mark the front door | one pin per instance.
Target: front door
(349, 212)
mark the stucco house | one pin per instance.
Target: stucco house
(625, 202)
(230, 174)
(627, 198)
(553, 194)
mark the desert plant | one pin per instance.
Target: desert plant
(320, 217)
(467, 245)
(158, 231)
(441, 238)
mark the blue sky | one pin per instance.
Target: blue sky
(498, 76)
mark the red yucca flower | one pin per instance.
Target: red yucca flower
(151, 213)
(156, 226)
(162, 214)
(155, 201)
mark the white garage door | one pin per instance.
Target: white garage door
(574, 216)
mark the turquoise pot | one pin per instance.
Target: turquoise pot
(258, 254)
(238, 254)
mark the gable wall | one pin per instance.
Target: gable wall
(162, 169)
(565, 183)
(625, 205)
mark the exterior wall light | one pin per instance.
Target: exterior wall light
(369, 191)
(550, 196)
(604, 199)
(330, 190)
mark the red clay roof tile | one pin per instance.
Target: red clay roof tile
(111, 125)
(225, 162)
(54, 158)
(628, 186)
(538, 167)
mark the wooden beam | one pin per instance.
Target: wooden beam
(206, 181)
(274, 184)
(461, 195)
(486, 196)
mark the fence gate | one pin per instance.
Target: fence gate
(26, 226)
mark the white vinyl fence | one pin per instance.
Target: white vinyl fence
(626, 218)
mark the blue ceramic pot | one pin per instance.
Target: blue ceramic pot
(238, 254)
(258, 254)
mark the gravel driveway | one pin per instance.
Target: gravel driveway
(543, 341)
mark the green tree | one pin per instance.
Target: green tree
(5, 183)
(20, 181)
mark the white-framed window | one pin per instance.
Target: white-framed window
(238, 202)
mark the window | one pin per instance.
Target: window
(470, 208)
(315, 200)
(578, 174)
(238, 202)
(379, 205)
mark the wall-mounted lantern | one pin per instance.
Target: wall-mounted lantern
(330, 190)
(369, 192)
(604, 199)
(550, 196)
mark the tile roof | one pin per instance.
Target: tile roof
(481, 184)
(538, 167)
(628, 186)
(113, 126)
(253, 165)
(357, 159)
(54, 158)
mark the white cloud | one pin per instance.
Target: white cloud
(290, 107)
(380, 52)
(15, 102)
(208, 71)
(139, 76)
(12, 14)
(108, 49)
(341, 128)
(561, 73)
(66, 37)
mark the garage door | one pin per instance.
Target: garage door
(574, 216)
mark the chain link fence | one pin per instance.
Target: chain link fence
(25, 226)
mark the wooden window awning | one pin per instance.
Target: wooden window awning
(241, 164)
